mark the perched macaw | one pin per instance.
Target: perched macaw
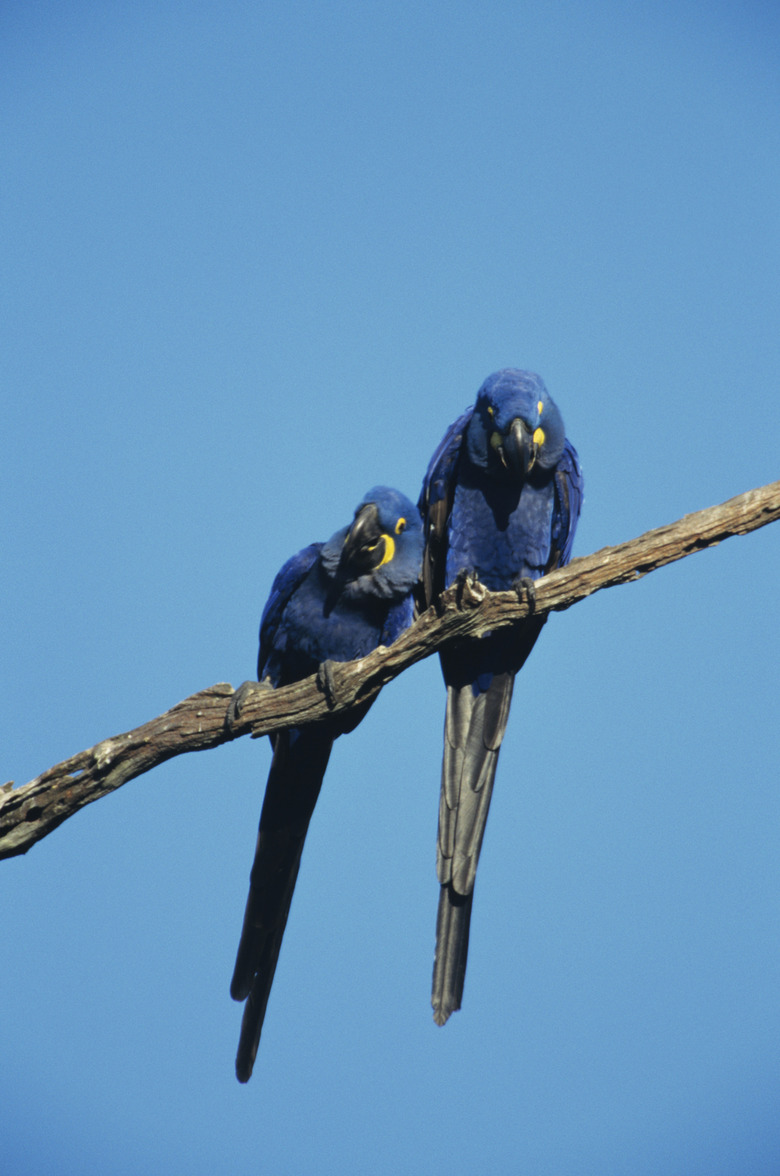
(500, 503)
(333, 601)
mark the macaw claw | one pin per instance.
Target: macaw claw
(525, 588)
(239, 700)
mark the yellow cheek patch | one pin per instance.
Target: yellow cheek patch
(495, 440)
(539, 437)
(539, 407)
(389, 551)
(400, 526)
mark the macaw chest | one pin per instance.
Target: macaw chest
(315, 627)
(500, 533)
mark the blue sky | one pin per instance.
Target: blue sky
(256, 258)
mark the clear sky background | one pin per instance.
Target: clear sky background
(256, 257)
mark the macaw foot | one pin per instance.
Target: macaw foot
(469, 591)
(525, 588)
(240, 697)
(326, 681)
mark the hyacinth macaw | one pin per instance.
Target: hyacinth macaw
(332, 601)
(500, 503)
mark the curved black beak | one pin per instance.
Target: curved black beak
(518, 449)
(364, 546)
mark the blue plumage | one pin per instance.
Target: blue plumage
(333, 601)
(500, 502)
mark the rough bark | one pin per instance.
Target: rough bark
(29, 813)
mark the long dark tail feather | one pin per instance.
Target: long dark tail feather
(293, 786)
(474, 728)
(452, 946)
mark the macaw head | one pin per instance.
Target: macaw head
(380, 553)
(516, 426)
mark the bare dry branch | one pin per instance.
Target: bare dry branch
(29, 813)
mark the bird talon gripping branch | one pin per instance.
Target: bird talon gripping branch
(470, 591)
(239, 700)
(526, 593)
(328, 684)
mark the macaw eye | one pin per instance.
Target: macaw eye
(490, 410)
(539, 407)
(400, 526)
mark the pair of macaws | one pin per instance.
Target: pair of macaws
(499, 503)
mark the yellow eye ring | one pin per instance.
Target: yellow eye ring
(400, 526)
(539, 407)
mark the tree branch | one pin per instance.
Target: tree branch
(29, 813)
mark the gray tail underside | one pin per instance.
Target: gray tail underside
(474, 728)
(291, 794)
